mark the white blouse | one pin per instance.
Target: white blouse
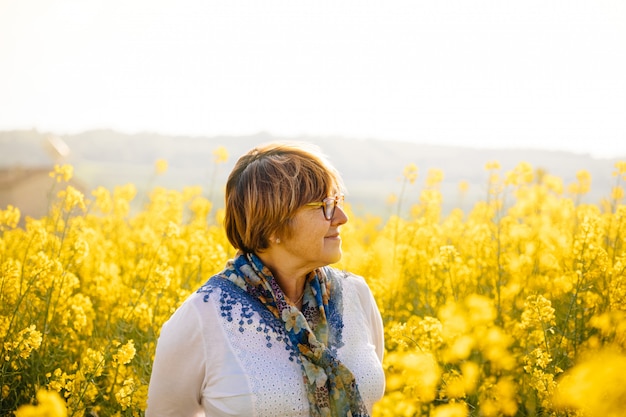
(222, 353)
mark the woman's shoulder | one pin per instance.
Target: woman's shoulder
(206, 307)
(214, 285)
(208, 295)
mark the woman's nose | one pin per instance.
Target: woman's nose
(339, 217)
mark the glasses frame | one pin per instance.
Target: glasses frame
(329, 204)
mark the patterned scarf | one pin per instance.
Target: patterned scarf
(331, 387)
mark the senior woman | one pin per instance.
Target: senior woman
(278, 332)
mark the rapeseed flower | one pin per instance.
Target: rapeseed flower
(9, 218)
(49, 404)
(410, 173)
(125, 353)
(62, 173)
(464, 186)
(434, 177)
(103, 202)
(620, 167)
(160, 166)
(72, 198)
(450, 410)
(596, 386)
(26, 341)
(124, 395)
(220, 155)
(486, 312)
(583, 185)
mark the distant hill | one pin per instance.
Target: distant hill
(372, 168)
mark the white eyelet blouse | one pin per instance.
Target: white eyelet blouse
(222, 353)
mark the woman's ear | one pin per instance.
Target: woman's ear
(274, 239)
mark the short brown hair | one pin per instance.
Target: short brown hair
(268, 185)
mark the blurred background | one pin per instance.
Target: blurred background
(113, 86)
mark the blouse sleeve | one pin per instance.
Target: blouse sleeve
(372, 315)
(178, 369)
(378, 332)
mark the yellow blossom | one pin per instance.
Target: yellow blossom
(583, 185)
(49, 404)
(410, 173)
(103, 199)
(125, 353)
(434, 177)
(521, 175)
(554, 184)
(220, 155)
(620, 167)
(464, 186)
(172, 229)
(453, 320)
(27, 340)
(451, 410)
(122, 197)
(72, 198)
(596, 386)
(62, 173)
(492, 166)
(424, 374)
(470, 373)
(538, 313)
(459, 349)
(160, 166)
(617, 193)
(481, 307)
(9, 218)
(125, 393)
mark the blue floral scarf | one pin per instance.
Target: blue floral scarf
(331, 387)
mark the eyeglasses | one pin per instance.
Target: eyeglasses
(328, 205)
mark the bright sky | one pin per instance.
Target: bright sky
(499, 73)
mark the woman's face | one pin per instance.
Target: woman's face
(314, 241)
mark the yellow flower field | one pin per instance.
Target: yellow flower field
(515, 308)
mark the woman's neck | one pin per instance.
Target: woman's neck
(289, 277)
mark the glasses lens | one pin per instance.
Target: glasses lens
(329, 208)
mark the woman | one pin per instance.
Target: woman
(278, 332)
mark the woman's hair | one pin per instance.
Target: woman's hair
(268, 185)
